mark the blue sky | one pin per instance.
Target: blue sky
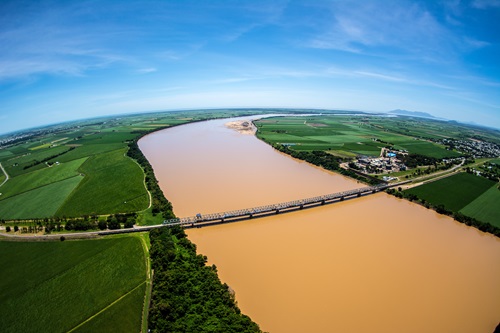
(64, 60)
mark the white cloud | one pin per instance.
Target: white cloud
(147, 70)
(485, 4)
(365, 26)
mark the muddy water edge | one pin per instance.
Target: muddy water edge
(377, 264)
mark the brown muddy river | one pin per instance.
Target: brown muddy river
(373, 264)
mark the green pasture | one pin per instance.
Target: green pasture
(112, 183)
(87, 150)
(39, 178)
(5, 154)
(106, 138)
(119, 317)
(56, 286)
(485, 208)
(428, 149)
(352, 135)
(15, 165)
(454, 192)
(43, 201)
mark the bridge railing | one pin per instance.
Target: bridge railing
(276, 207)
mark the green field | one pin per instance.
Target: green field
(486, 207)
(112, 183)
(95, 149)
(40, 178)
(344, 135)
(120, 317)
(56, 286)
(454, 192)
(39, 202)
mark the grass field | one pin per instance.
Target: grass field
(113, 183)
(453, 192)
(122, 316)
(486, 207)
(41, 177)
(15, 166)
(429, 149)
(39, 202)
(87, 150)
(344, 135)
(56, 286)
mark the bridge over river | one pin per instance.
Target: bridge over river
(200, 220)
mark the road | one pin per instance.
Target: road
(77, 235)
(6, 174)
(434, 176)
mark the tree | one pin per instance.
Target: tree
(102, 225)
(128, 224)
(16, 228)
(7, 229)
(114, 224)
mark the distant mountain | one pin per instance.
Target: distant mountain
(413, 114)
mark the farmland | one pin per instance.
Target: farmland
(81, 168)
(41, 201)
(464, 193)
(348, 136)
(57, 286)
(485, 207)
(454, 192)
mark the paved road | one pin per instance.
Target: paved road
(77, 235)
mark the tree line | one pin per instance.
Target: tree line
(85, 223)
(36, 162)
(159, 203)
(441, 209)
(327, 161)
(187, 295)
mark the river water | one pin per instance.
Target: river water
(373, 264)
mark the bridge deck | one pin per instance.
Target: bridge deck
(248, 213)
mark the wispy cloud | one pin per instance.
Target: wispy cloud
(400, 27)
(485, 4)
(36, 39)
(147, 70)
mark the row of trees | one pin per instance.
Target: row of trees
(85, 223)
(36, 162)
(159, 203)
(326, 161)
(413, 160)
(187, 295)
(441, 209)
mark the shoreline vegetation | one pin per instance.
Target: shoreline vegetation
(299, 137)
(441, 209)
(195, 300)
(329, 162)
(186, 294)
